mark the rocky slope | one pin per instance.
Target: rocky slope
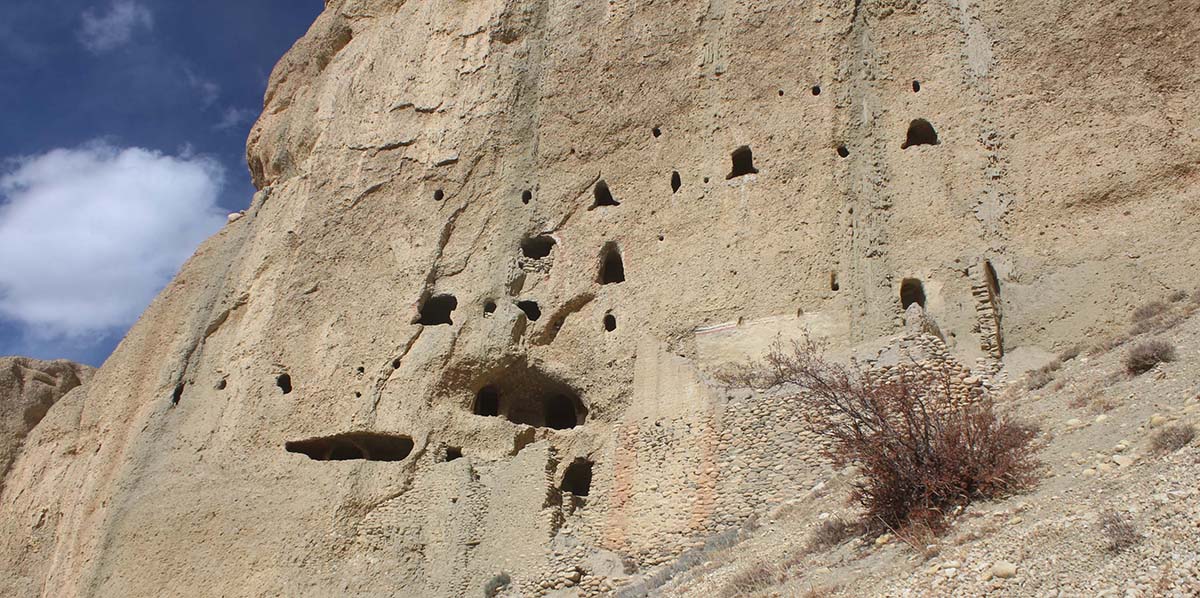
(461, 333)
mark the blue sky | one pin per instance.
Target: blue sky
(122, 146)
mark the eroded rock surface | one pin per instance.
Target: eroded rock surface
(28, 389)
(518, 234)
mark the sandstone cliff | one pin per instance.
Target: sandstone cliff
(28, 388)
(464, 326)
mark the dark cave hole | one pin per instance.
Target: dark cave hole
(916, 86)
(676, 182)
(833, 282)
(437, 309)
(222, 383)
(920, 132)
(370, 446)
(816, 90)
(536, 248)
(602, 196)
(452, 453)
(178, 394)
(489, 307)
(439, 195)
(487, 402)
(912, 291)
(610, 322)
(612, 266)
(526, 196)
(531, 309)
(657, 132)
(743, 163)
(843, 151)
(284, 382)
(578, 478)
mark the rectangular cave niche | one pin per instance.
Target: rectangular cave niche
(368, 446)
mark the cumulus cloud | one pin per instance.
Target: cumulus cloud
(112, 29)
(89, 235)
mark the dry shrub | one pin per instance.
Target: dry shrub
(1043, 375)
(495, 584)
(1108, 345)
(918, 450)
(1172, 438)
(1150, 310)
(753, 580)
(1144, 356)
(1070, 353)
(1120, 533)
(830, 533)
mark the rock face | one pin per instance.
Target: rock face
(463, 328)
(28, 389)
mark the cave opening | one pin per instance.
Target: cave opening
(912, 291)
(602, 196)
(436, 310)
(284, 382)
(920, 132)
(743, 163)
(536, 248)
(369, 446)
(577, 479)
(612, 266)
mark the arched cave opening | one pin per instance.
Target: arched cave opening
(452, 453)
(526, 196)
(487, 402)
(536, 248)
(284, 382)
(524, 394)
(436, 310)
(531, 309)
(816, 90)
(920, 132)
(370, 446)
(610, 322)
(577, 479)
(676, 182)
(489, 307)
(602, 196)
(916, 86)
(743, 163)
(612, 266)
(843, 151)
(912, 291)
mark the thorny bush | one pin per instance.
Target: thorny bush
(919, 451)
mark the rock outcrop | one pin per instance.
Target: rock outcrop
(28, 389)
(461, 334)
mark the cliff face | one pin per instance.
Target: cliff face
(28, 389)
(464, 326)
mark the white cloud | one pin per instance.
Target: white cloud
(88, 236)
(103, 32)
(234, 117)
(208, 90)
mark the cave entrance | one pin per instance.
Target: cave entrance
(369, 446)
(612, 267)
(578, 478)
(920, 132)
(602, 196)
(536, 248)
(436, 310)
(743, 163)
(912, 291)
(523, 394)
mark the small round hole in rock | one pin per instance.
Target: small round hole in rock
(843, 151)
(284, 382)
(396, 364)
(657, 132)
(916, 86)
(816, 90)
(489, 307)
(781, 93)
(221, 384)
(453, 452)
(439, 195)
(676, 182)
(610, 322)
(526, 196)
